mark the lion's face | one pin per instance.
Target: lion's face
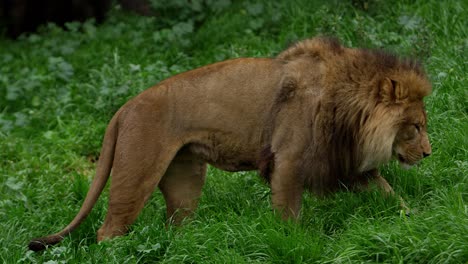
(412, 142)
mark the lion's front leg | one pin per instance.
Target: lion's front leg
(287, 189)
(380, 182)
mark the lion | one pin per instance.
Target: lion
(317, 117)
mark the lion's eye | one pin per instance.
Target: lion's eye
(418, 128)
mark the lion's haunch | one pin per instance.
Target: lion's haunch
(316, 117)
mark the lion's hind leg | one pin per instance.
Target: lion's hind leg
(142, 156)
(129, 191)
(182, 185)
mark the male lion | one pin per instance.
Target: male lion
(316, 117)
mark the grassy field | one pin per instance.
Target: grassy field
(59, 89)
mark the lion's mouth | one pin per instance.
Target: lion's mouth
(401, 158)
(404, 163)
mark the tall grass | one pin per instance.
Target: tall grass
(58, 90)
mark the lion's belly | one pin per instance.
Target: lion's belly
(226, 154)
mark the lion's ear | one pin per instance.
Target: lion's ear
(392, 91)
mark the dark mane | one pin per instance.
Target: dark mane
(383, 59)
(379, 59)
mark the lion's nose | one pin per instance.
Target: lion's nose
(425, 155)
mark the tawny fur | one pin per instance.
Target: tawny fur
(316, 117)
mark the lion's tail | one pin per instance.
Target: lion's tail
(102, 175)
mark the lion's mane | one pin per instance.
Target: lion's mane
(351, 130)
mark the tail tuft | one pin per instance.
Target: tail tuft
(41, 243)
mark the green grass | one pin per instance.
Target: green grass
(59, 89)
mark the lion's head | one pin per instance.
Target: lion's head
(405, 93)
(411, 143)
(396, 125)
